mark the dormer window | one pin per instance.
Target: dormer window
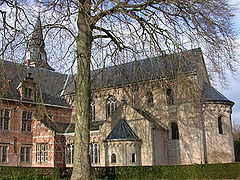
(27, 88)
(28, 93)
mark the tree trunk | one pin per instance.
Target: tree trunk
(81, 165)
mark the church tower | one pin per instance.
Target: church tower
(36, 55)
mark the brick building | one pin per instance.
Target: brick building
(142, 113)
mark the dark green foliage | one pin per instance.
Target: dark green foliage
(209, 171)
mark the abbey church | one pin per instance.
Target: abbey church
(157, 111)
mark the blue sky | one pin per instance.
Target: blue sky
(232, 92)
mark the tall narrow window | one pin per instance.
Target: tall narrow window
(92, 111)
(94, 153)
(4, 119)
(26, 121)
(133, 157)
(220, 128)
(113, 158)
(174, 129)
(111, 105)
(150, 99)
(70, 153)
(169, 95)
(25, 154)
(3, 154)
(41, 152)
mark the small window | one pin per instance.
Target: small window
(70, 153)
(111, 105)
(220, 128)
(150, 99)
(169, 95)
(25, 154)
(94, 153)
(92, 111)
(174, 129)
(27, 93)
(133, 157)
(4, 119)
(26, 121)
(3, 154)
(113, 158)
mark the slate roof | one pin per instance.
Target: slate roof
(54, 83)
(143, 70)
(122, 131)
(209, 93)
(51, 82)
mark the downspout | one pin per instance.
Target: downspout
(203, 133)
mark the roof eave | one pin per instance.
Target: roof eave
(230, 103)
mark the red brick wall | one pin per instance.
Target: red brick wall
(14, 138)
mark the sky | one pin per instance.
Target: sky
(232, 91)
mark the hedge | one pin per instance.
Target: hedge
(207, 171)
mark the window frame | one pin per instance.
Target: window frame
(25, 154)
(111, 105)
(133, 157)
(113, 158)
(69, 153)
(5, 120)
(26, 121)
(42, 152)
(94, 150)
(220, 125)
(4, 150)
(174, 132)
(169, 96)
(28, 92)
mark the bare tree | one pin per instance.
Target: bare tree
(104, 32)
(236, 131)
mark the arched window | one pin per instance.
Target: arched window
(111, 105)
(220, 128)
(174, 128)
(150, 99)
(133, 157)
(92, 111)
(169, 95)
(113, 158)
(94, 153)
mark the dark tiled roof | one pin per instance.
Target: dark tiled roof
(51, 82)
(209, 93)
(122, 131)
(142, 70)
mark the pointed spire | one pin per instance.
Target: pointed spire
(36, 55)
